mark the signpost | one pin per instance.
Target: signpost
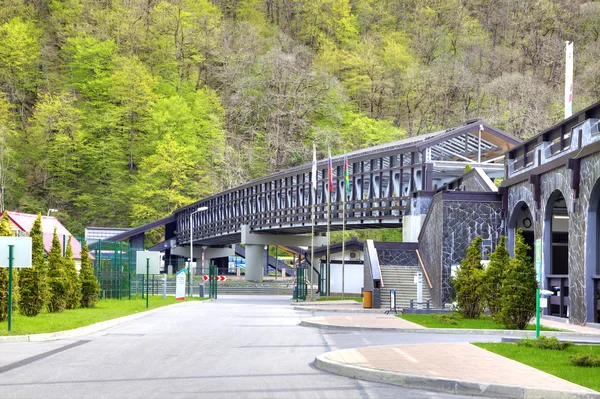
(392, 302)
(147, 262)
(14, 252)
(538, 269)
(180, 285)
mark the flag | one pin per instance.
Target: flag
(314, 168)
(330, 173)
(347, 175)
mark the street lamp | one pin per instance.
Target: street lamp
(202, 208)
(51, 210)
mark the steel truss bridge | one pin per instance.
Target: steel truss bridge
(382, 179)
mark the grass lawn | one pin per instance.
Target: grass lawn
(457, 321)
(552, 361)
(339, 298)
(105, 309)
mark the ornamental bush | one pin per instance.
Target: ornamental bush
(585, 360)
(72, 278)
(468, 283)
(57, 279)
(518, 288)
(544, 342)
(32, 281)
(90, 288)
(494, 273)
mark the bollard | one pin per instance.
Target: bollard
(428, 304)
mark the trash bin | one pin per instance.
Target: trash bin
(201, 287)
(368, 299)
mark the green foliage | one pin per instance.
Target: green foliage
(447, 318)
(5, 231)
(518, 288)
(494, 273)
(90, 288)
(585, 360)
(57, 278)
(468, 283)
(72, 278)
(468, 168)
(384, 235)
(544, 342)
(33, 287)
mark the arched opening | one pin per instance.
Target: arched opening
(592, 257)
(556, 254)
(521, 218)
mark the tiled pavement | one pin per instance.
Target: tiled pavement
(450, 367)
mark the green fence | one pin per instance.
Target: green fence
(114, 266)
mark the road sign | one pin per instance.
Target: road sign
(538, 260)
(21, 251)
(140, 259)
(217, 278)
(180, 285)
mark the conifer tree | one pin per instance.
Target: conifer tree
(5, 231)
(519, 288)
(57, 281)
(499, 261)
(90, 288)
(72, 278)
(33, 288)
(468, 282)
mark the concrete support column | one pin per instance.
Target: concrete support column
(254, 262)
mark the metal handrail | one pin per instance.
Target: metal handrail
(424, 270)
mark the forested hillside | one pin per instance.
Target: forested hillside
(117, 112)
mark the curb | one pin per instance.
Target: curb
(306, 308)
(514, 333)
(85, 330)
(446, 385)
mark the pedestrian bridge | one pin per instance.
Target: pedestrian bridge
(382, 179)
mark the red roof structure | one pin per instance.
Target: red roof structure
(24, 222)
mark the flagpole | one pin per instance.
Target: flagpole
(343, 237)
(313, 216)
(344, 193)
(330, 179)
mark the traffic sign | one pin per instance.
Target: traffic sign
(217, 278)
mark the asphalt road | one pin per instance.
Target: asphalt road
(236, 347)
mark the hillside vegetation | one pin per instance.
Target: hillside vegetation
(117, 112)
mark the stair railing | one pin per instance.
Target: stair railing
(424, 270)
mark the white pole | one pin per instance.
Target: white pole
(568, 79)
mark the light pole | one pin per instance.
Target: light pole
(51, 210)
(202, 208)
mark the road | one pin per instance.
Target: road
(235, 347)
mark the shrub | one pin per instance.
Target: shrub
(518, 288)
(468, 282)
(32, 281)
(585, 360)
(57, 280)
(447, 318)
(90, 288)
(545, 343)
(72, 278)
(494, 274)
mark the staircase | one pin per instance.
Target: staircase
(401, 279)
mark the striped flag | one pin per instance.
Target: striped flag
(314, 168)
(330, 173)
(346, 175)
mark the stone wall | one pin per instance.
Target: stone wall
(463, 221)
(560, 179)
(430, 247)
